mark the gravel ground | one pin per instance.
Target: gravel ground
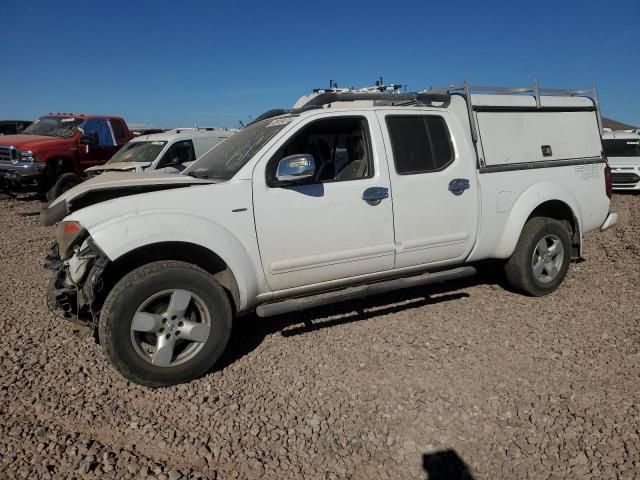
(466, 380)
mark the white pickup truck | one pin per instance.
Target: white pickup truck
(622, 149)
(346, 195)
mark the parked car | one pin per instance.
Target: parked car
(622, 149)
(320, 205)
(49, 156)
(169, 152)
(12, 127)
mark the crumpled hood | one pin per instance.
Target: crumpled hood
(31, 142)
(111, 185)
(118, 166)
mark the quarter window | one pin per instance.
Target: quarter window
(420, 144)
(118, 130)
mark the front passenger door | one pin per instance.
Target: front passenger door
(323, 230)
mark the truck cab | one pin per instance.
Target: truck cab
(50, 154)
(168, 152)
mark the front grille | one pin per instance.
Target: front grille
(624, 178)
(7, 154)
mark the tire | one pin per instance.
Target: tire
(530, 269)
(64, 182)
(143, 310)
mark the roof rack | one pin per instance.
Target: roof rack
(534, 89)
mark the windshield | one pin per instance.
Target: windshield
(225, 159)
(624, 147)
(138, 152)
(63, 127)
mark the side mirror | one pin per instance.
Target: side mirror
(296, 167)
(90, 138)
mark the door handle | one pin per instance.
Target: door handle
(374, 195)
(457, 186)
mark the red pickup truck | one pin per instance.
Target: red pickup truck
(49, 156)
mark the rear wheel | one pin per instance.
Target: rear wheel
(541, 258)
(165, 323)
(64, 182)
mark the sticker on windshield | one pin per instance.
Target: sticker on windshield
(280, 121)
(68, 120)
(157, 143)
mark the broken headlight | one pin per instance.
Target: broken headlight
(69, 234)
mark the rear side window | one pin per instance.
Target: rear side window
(420, 144)
(118, 130)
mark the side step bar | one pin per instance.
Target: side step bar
(361, 291)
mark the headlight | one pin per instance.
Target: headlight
(69, 234)
(27, 156)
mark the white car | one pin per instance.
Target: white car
(622, 149)
(169, 152)
(351, 194)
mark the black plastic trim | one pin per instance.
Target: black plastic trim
(500, 109)
(541, 164)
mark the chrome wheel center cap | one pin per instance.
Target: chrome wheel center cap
(171, 326)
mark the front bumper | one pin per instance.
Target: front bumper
(611, 220)
(76, 301)
(21, 175)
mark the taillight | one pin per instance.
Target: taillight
(607, 181)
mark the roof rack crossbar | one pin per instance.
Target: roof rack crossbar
(422, 97)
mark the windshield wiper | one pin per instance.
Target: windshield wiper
(198, 174)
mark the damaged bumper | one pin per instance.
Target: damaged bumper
(76, 281)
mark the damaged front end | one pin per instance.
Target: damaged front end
(76, 283)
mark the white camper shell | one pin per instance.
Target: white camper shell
(168, 152)
(347, 195)
(622, 148)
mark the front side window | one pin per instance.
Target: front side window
(100, 127)
(339, 146)
(420, 144)
(180, 152)
(623, 147)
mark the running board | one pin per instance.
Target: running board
(361, 291)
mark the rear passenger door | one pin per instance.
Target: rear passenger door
(433, 185)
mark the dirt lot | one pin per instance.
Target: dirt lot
(467, 381)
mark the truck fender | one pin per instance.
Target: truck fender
(120, 236)
(523, 207)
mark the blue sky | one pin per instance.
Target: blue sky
(213, 63)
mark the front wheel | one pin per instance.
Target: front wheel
(165, 323)
(64, 182)
(541, 258)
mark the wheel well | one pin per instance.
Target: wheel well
(57, 166)
(180, 251)
(559, 210)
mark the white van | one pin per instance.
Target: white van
(168, 152)
(622, 148)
